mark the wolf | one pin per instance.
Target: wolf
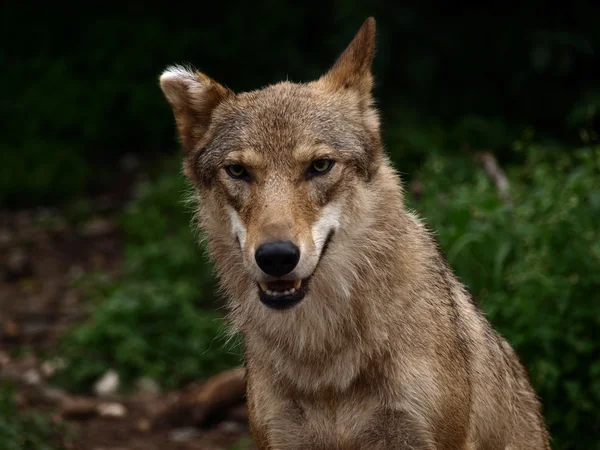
(357, 334)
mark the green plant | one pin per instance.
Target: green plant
(40, 171)
(243, 444)
(20, 430)
(148, 329)
(533, 265)
(157, 319)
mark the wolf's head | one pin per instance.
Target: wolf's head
(278, 171)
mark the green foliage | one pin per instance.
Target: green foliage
(149, 322)
(147, 329)
(243, 444)
(160, 243)
(26, 430)
(534, 268)
(40, 171)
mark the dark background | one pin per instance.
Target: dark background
(80, 101)
(80, 84)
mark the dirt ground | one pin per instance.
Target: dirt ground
(42, 255)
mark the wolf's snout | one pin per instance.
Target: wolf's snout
(277, 258)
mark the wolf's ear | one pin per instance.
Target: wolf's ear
(193, 97)
(352, 70)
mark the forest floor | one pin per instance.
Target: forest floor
(43, 255)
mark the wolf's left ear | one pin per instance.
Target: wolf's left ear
(193, 97)
(352, 70)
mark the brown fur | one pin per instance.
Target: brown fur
(387, 350)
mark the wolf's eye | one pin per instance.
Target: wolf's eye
(237, 171)
(319, 167)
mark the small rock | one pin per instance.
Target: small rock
(50, 366)
(229, 426)
(54, 395)
(143, 425)
(146, 385)
(98, 227)
(18, 264)
(78, 407)
(114, 410)
(183, 434)
(107, 385)
(32, 377)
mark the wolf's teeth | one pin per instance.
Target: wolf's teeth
(272, 293)
(297, 284)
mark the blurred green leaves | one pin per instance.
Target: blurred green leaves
(38, 170)
(158, 318)
(534, 267)
(26, 430)
(147, 329)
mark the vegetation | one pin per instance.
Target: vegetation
(242, 444)
(533, 266)
(158, 319)
(26, 430)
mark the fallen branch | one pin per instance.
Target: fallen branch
(495, 172)
(199, 405)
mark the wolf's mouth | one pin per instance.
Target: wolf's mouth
(283, 294)
(279, 288)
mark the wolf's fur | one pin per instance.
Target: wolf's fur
(387, 350)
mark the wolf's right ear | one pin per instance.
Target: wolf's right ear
(193, 97)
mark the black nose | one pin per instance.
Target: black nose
(277, 258)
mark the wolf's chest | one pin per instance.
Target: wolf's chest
(315, 425)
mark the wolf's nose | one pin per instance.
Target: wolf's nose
(277, 258)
